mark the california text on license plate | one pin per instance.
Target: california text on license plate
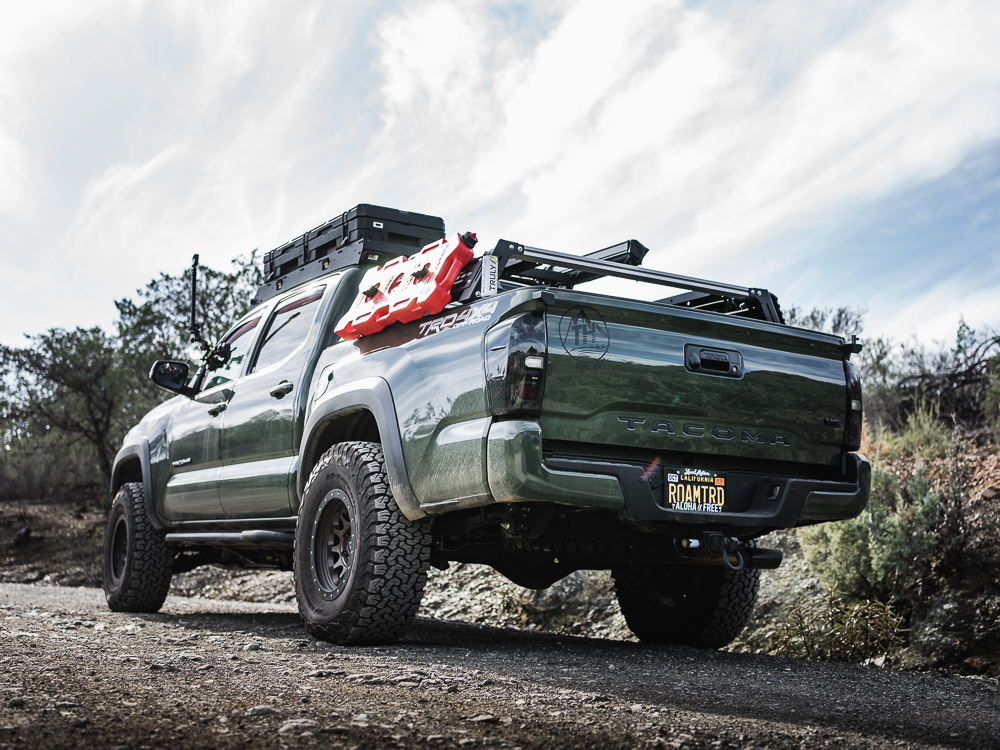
(694, 489)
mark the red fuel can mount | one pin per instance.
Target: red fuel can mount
(405, 289)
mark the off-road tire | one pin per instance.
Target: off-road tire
(686, 605)
(360, 564)
(137, 560)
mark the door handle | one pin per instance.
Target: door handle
(281, 389)
(217, 409)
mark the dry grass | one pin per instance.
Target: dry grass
(840, 631)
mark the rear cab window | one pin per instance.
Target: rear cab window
(287, 329)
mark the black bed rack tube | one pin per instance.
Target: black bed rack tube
(509, 251)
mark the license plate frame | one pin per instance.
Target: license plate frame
(694, 490)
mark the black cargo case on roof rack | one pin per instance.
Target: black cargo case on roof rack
(365, 235)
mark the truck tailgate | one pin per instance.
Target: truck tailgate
(656, 378)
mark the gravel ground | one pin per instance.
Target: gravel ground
(220, 674)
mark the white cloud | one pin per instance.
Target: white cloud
(26, 28)
(221, 180)
(565, 124)
(214, 174)
(18, 179)
(660, 125)
(934, 315)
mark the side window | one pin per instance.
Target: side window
(288, 327)
(238, 341)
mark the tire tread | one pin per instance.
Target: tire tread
(146, 578)
(711, 617)
(390, 580)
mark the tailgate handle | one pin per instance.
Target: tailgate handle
(724, 362)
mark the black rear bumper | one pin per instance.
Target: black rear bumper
(798, 501)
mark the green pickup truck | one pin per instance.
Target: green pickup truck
(530, 425)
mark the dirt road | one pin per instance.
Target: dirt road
(223, 674)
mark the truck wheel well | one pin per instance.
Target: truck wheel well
(355, 425)
(129, 470)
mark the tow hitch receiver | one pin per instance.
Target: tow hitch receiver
(735, 554)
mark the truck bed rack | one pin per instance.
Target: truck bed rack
(533, 266)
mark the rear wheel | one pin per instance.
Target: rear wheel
(684, 605)
(360, 564)
(137, 561)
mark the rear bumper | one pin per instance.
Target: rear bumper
(518, 473)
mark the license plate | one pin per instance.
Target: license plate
(694, 490)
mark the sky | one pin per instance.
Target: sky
(838, 153)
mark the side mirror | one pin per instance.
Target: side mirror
(172, 376)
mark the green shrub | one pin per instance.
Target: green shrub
(49, 466)
(924, 434)
(879, 442)
(884, 553)
(903, 538)
(838, 631)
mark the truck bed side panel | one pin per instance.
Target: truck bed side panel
(435, 371)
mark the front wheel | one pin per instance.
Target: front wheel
(360, 564)
(685, 605)
(137, 560)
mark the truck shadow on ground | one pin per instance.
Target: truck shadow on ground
(830, 698)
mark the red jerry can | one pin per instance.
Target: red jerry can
(405, 289)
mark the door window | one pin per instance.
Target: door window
(287, 329)
(239, 343)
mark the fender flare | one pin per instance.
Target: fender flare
(373, 395)
(139, 448)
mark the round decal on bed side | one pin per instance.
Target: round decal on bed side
(584, 334)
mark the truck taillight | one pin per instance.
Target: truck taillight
(852, 437)
(515, 365)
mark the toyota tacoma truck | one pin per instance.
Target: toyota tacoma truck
(396, 399)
